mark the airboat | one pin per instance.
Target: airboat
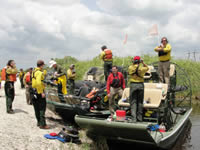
(89, 96)
(166, 112)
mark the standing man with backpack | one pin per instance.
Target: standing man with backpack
(38, 95)
(115, 85)
(106, 56)
(27, 80)
(136, 72)
(9, 75)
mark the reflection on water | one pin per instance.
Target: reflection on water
(189, 140)
(183, 142)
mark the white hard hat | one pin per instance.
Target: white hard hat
(51, 63)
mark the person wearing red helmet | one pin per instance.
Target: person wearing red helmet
(136, 72)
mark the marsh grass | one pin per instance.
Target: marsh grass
(192, 68)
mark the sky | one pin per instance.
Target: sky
(45, 29)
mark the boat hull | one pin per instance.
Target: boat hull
(133, 132)
(65, 111)
(171, 138)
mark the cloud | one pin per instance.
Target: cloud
(35, 29)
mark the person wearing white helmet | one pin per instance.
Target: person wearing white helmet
(60, 79)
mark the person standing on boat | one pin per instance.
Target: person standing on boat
(106, 56)
(71, 75)
(61, 80)
(38, 95)
(27, 80)
(115, 85)
(164, 54)
(136, 72)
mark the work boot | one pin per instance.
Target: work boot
(44, 127)
(140, 118)
(134, 120)
(10, 112)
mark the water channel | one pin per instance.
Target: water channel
(191, 140)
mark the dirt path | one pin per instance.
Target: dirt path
(19, 131)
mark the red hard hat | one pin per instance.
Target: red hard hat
(136, 58)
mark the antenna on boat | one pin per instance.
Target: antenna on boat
(124, 42)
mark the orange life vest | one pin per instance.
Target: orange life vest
(108, 54)
(28, 77)
(3, 74)
(91, 94)
(11, 77)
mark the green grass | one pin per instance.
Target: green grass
(191, 68)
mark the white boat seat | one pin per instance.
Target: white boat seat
(172, 70)
(154, 96)
(125, 96)
(162, 86)
(148, 73)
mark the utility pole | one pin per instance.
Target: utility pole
(188, 55)
(194, 54)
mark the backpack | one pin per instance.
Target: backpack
(34, 79)
(28, 77)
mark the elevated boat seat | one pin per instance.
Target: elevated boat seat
(148, 73)
(153, 96)
(172, 70)
(162, 86)
(153, 93)
(124, 101)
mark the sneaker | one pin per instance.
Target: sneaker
(109, 119)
